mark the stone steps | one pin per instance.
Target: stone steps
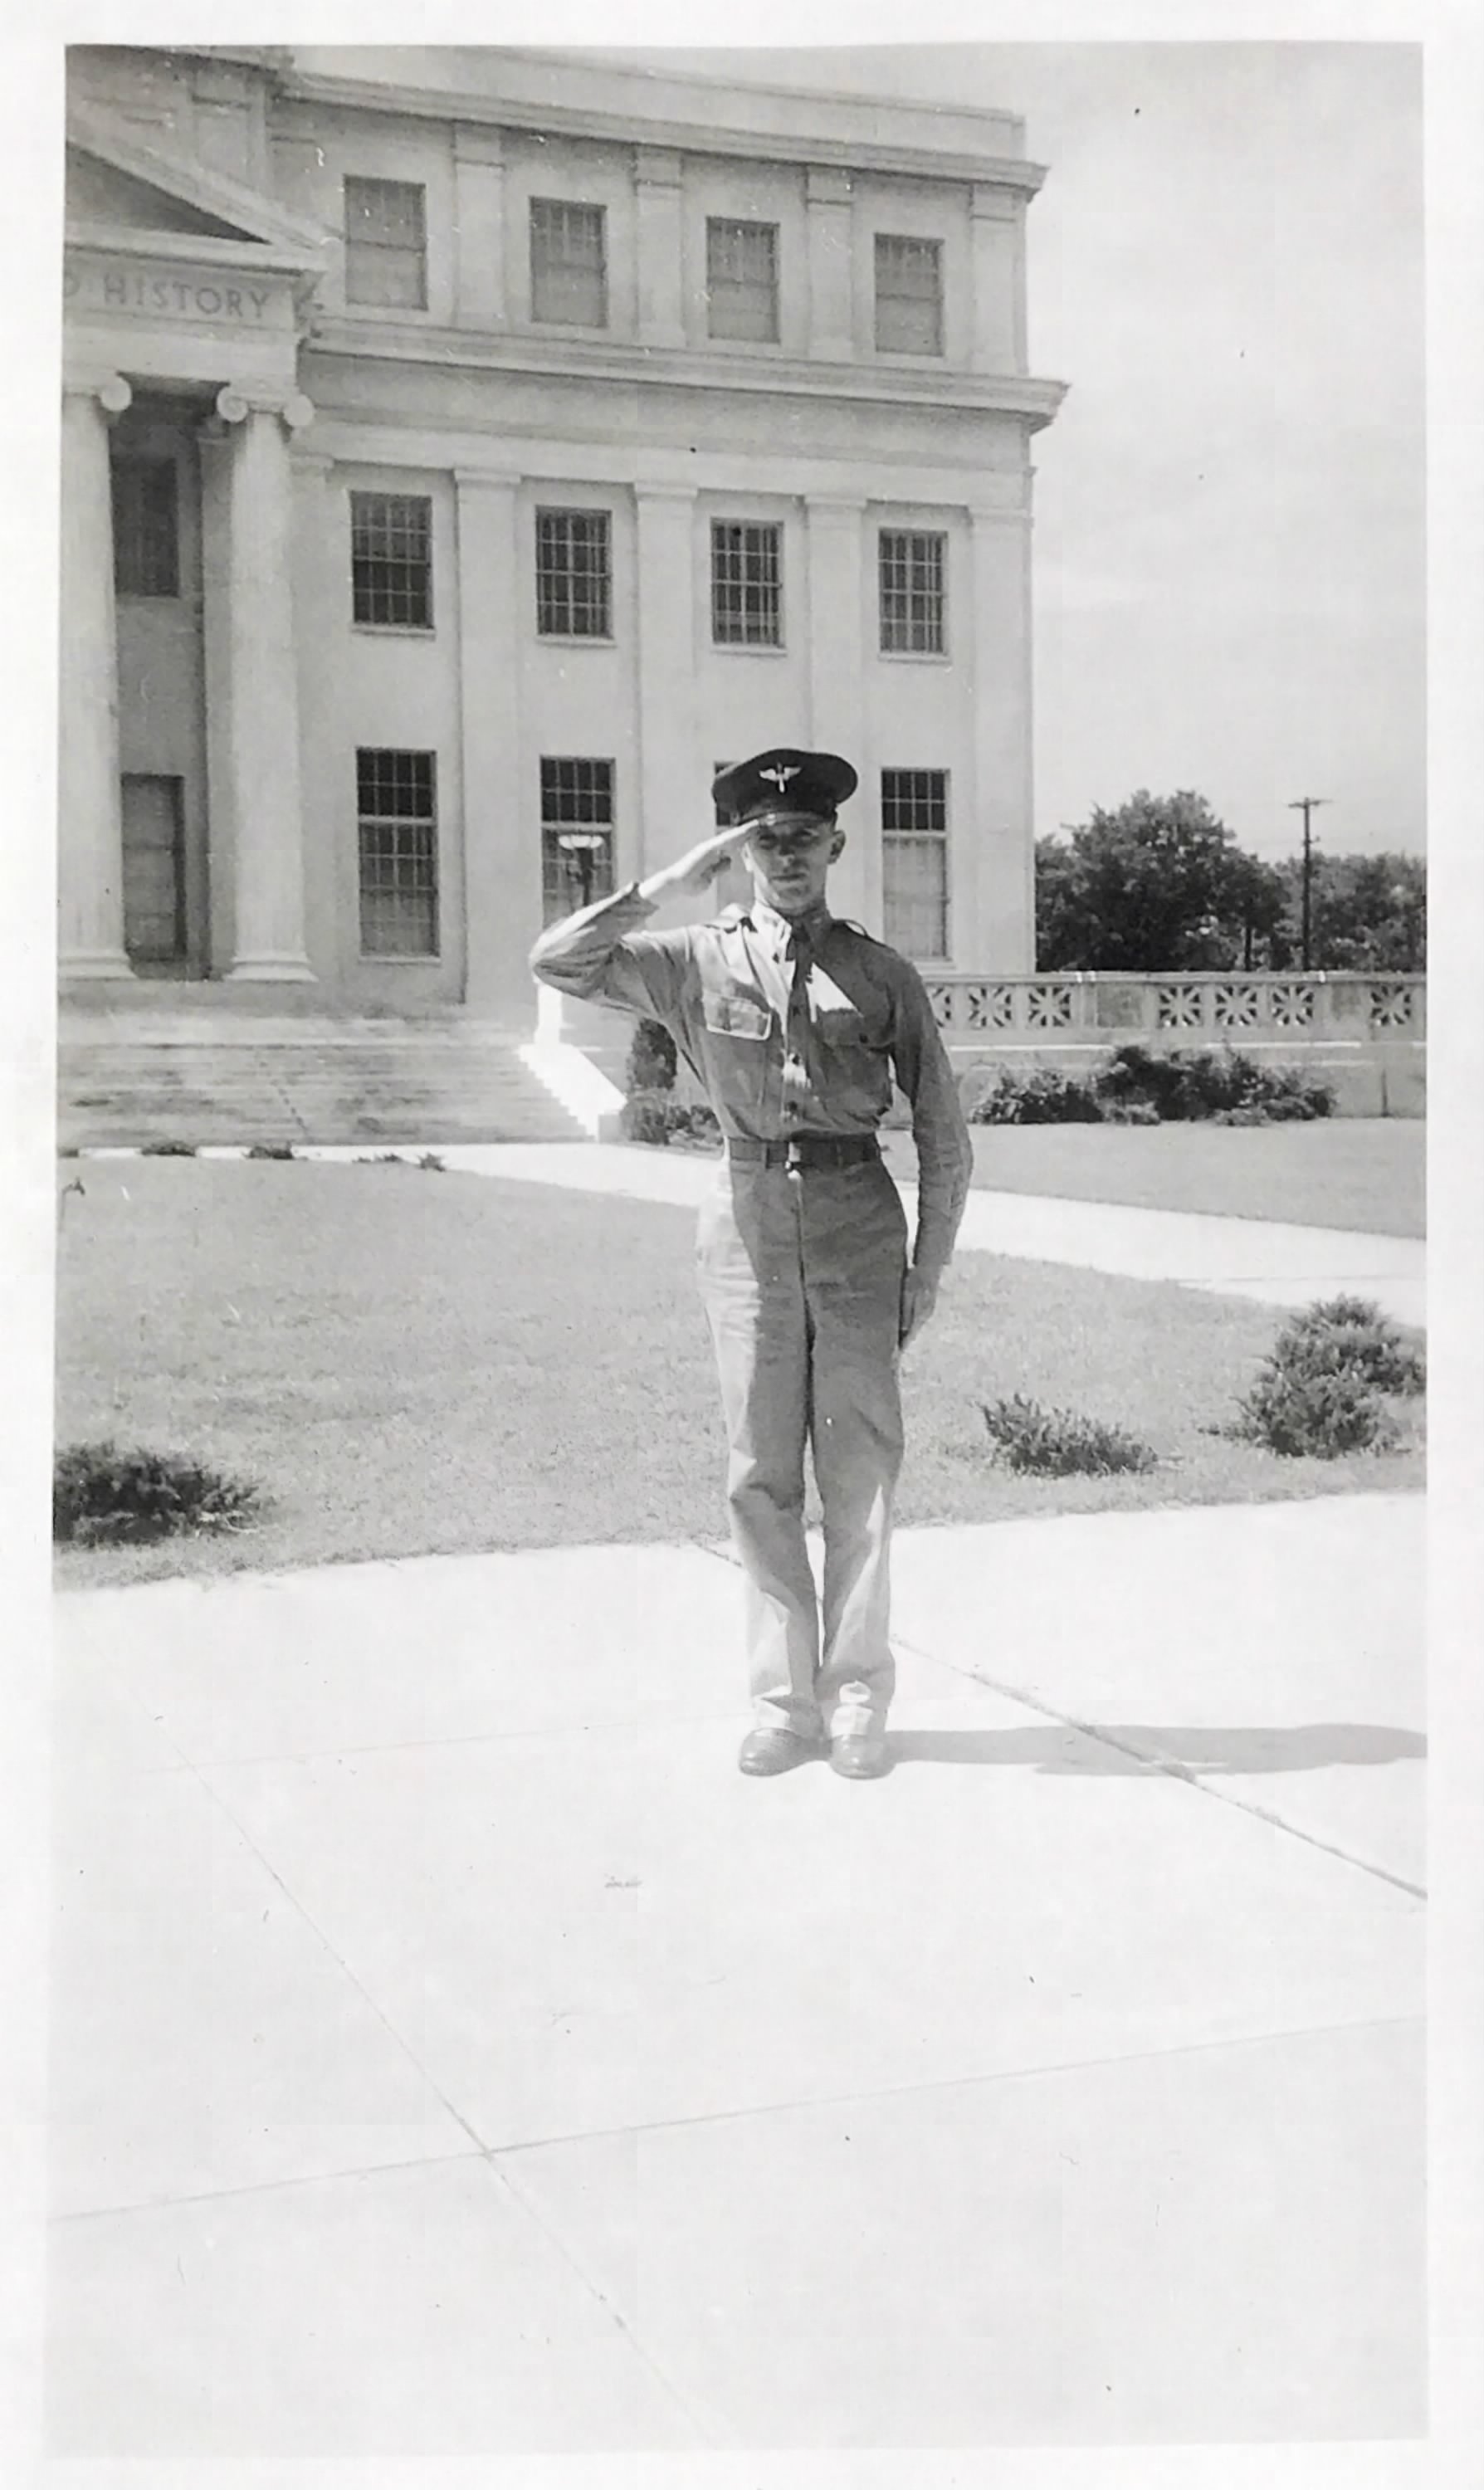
(327, 1083)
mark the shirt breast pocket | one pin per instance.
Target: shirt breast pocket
(738, 1015)
(845, 1030)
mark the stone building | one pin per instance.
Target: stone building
(465, 452)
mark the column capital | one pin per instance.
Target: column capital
(652, 489)
(835, 506)
(111, 389)
(489, 479)
(234, 404)
(473, 144)
(1001, 207)
(657, 167)
(830, 186)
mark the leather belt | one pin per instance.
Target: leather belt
(806, 1151)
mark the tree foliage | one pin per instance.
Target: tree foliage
(1161, 885)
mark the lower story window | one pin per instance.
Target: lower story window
(576, 835)
(396, 805)
(914, 862)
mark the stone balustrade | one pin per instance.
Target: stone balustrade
(1104, 1007)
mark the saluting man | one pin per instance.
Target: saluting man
(795, 1022)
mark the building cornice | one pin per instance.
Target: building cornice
(624, 127)
(1033, 402)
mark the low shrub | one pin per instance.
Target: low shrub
(272, 1151)
(1136, 1086)
(1041, 1097)
(651, 1059)
(105, 1492)
(1296, 1412)
(1319, 1390)
(1351, 1334)
(1056, 1443)
(657, 1118)
(167, 1150)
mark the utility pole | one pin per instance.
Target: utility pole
(1307, 804)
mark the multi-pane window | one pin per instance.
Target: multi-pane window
(746, 583)
(392, 560)
(911, 568)
(741, 279)
(386, 244)
(146, 527)
(569, 264)
(396, 806)
(909, 295)
(576, 834)
(574, 575)
(914, 862)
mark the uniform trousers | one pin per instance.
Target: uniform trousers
(801, 1273)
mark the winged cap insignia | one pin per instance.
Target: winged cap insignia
(781, 775)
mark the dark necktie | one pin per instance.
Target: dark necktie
(796, 1083)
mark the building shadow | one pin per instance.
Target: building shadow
(1135, 1746)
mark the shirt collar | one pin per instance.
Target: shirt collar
(779, 929)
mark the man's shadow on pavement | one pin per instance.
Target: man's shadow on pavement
(1103, 1746)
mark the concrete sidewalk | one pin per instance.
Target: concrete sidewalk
(1277, 1263)
(456, 2056)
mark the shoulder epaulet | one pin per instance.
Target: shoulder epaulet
(733, 916)
(866, 935)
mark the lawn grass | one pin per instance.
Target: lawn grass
(1352, 1173)
(411, 1362)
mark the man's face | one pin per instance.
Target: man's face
(789, 863)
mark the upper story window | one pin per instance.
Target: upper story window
(748, 583)
(146, 526)
(910, 568)
(574, 575)
(392, 560)
(386, 244)
(909, 295)
(741, 279)
(569, 264)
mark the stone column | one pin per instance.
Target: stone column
(836, 526)
(479, 210)
(659, 246)
(673, 810)
(994, 848)
(90, 843)
(831, 289)
(502, 842)
(997, 335)
(263, 695)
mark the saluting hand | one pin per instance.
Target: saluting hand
(919, 1296)
(694, 872)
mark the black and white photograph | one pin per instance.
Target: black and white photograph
(732, 1261)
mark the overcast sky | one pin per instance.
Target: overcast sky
(1226, 266)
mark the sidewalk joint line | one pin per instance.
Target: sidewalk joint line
(964, 2082)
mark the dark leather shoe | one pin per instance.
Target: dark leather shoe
(861, 1757)
(776, 1751)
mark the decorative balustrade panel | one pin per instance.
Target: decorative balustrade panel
(1219, 1008)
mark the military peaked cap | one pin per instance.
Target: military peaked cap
(783, 787)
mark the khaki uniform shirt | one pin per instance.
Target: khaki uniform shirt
(779, 1055)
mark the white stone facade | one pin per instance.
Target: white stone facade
(229, 389)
